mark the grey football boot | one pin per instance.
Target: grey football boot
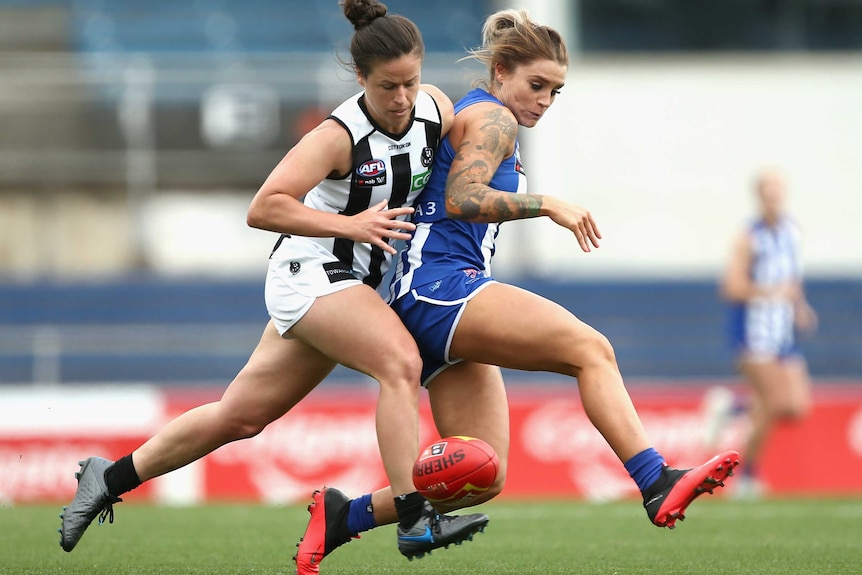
(91, 499)
(434, 530)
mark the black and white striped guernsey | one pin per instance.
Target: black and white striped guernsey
(385, 166)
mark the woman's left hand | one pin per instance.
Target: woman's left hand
(577, 219)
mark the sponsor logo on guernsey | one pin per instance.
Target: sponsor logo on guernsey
(473, 275)
(371, 173)
(519, 167)
(419, 180)
(295, 267)
(337, 271)
(427, 156)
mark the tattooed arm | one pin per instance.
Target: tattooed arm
(487, 137)
(483, 136)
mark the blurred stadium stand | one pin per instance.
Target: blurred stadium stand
(192, 332)
(729, 25)
(88, 81)
(161, 26)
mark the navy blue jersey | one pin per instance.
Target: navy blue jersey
(441, 244)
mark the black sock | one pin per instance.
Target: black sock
(409, 508)
(121, 476)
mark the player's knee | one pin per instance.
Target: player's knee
(793, 412)
(595, 351)
(498, 485)
(401, 368)
(240, 426)
(781, 411)
(493, 491)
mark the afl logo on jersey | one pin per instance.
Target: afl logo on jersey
(427, 156)
(371, 173)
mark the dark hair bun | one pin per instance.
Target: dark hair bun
(362, 12)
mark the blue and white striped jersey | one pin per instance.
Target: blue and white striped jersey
(441, 244)
(766, 325)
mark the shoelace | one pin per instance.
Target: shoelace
(434, 522)
(108, 511)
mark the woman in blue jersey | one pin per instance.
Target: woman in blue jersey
(340, 198)
(467, 323)
(763, 283)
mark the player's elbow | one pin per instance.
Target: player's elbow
(256, 217)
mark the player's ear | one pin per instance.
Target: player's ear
(500, 72)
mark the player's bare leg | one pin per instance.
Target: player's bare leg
(549, 338)
(781, 391)
(372, 340)
(258, 395)
(328, 526)
(470, 399)
(279, 373)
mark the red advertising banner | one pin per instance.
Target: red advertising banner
(330, 439)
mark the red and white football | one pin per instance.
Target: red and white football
(455, 469)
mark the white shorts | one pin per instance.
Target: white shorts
(300, 271)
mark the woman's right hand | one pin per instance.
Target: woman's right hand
(377, 225)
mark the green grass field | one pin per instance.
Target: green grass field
(720, 536)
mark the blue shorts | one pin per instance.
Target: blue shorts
(431, 313)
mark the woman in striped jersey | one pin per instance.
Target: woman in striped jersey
(763, 283)
(340, 198)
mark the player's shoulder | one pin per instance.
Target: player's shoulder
(480, 104)
(440, 98)
(486, 115)
(443, 103)
(329, 143)
(331, 131)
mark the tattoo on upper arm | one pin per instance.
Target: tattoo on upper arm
(468, 195)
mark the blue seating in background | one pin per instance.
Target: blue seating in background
(164, 331)
(160, 26)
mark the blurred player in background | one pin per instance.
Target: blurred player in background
(763, 283)
(340, 197)
(467, 324)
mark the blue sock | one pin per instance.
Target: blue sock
(360, 517)
(645, 467)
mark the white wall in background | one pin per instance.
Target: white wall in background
(662, 151)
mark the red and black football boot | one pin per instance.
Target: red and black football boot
(326, 530)
(668, 497)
